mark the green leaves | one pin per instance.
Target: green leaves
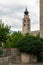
(13, 39)
(1, 52)
(4, 31)
(30, 44)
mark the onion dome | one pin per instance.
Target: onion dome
(26, 12)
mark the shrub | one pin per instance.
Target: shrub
(1, 52)
(40, 58)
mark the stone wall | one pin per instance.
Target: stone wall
(27, 58)
(13, 52)
(10, 55)
(41, 18)
(13, 55)
(4, 60)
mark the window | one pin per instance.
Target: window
(24, 24)
(28, 26)
(24, 20)
(28, 20)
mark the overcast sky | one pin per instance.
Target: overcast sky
(12, 12)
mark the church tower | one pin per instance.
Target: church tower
(26, 22)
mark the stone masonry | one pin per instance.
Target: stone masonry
(41, 18)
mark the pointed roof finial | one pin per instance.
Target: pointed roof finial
(26, 11)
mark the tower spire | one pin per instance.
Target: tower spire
(26, 11)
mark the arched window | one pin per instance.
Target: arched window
(28, 26)
(24, 20)
(24, 24)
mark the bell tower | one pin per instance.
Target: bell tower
(26, 22)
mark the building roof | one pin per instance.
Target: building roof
(26, 12)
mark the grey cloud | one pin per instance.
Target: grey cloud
(8, 10)
(12, 10)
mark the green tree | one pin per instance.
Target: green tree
(9, 42)
(30, 44)
(15, 37)
(4, 31)
(12, 40)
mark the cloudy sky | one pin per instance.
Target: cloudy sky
(12, 12)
